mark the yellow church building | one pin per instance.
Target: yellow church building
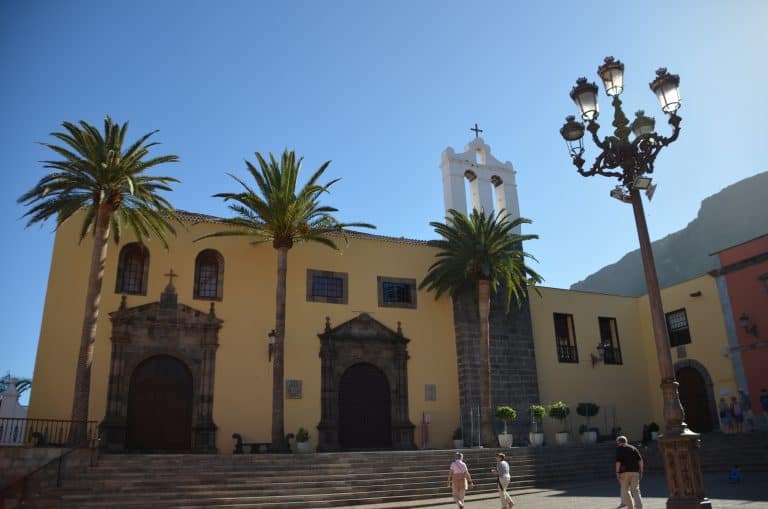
(183, 360)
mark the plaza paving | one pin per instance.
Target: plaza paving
(751, 493)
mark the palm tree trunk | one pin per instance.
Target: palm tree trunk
(278, 360)
(90, 318)
(484, 309)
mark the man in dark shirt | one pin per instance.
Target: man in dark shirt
(629, 470)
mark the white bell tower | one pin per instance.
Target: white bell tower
(492, 185)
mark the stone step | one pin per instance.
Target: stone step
(286, 481)
(266, 501)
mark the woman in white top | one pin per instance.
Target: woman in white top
(459, 479)
(502, 470)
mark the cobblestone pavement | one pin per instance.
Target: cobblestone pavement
(752, 493)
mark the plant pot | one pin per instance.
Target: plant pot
(458, 444)
(536, 439)
(654, 435)
(302, 447)
(505, 440)
(589, 437)
(561, 437)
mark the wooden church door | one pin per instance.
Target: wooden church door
(364, 409)
(160, 406)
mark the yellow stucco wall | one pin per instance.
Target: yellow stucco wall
(620, 390)
(708, 335)
(243, 379)
(628, 394)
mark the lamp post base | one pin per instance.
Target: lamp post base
(682, 466)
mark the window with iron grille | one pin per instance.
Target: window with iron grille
(565, 338)
(609, 337)
(132, 269)
(325, 286)
(209, 275)
(677, 328)
(396, 292)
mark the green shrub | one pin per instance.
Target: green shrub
(302, 435)
(587, 409)
(457, 434)
(653, 427)
(558, 411)
(506, 414)
(536, 413)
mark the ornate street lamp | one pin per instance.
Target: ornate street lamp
(629, 155)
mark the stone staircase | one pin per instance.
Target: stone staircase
(721, 451)
(267, 481)
(271, 481)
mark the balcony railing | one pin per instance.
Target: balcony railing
(567, 353)
(47, 433)
(612, 355)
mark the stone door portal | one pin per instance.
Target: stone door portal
(693, 396)
(161, 375)
(364, 387)
(364, 416)
(160, 406)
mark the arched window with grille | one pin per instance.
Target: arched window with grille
(209, 275)
(132, 269)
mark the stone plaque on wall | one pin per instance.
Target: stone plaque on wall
(293, 389)
(430, 392)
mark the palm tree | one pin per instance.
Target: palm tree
(481, 250)
(280, 214)
(108, 184)
(22, 384)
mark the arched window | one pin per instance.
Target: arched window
(209, 275)
(132, 269)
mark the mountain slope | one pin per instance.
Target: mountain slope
(736, 214)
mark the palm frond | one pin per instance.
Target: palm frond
(95, 170)
(480, 247)
(274, 210)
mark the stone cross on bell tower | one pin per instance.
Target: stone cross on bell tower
(491, 183)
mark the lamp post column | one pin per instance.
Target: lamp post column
(678, 445)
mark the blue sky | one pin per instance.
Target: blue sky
(380, 88)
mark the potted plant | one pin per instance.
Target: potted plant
(506, 414)
(559, 411)
(653, 428)
(458, 438)
(302, 440)
(587, 410)
(536, 413)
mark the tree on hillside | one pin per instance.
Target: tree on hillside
(277, 212)
(481, 249)
(108, 183)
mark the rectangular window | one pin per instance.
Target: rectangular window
(565, 338)
(396, 292)
(330, 287)
(677, 327)
(609, 337)
(325, 286)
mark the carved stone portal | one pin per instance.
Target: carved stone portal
(358, 342)
(155, 330)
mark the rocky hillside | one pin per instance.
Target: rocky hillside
(736, 214)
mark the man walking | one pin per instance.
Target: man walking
(629, 470)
